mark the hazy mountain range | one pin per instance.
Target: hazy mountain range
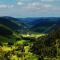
(9, 26)
(41, 25)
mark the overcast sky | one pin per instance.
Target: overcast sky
(30, 8)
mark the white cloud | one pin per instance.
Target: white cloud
(3, 6)
(10, 6)
(36, 0)
(36, 6)
(19, 3)
(6, 6)
(47, 0)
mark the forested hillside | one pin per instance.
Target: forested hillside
(38, 39)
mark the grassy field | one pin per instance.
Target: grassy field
(33, 35)
(20, 49)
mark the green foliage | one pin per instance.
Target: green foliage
(31, 47)
(47, 46)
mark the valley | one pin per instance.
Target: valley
(29, 38)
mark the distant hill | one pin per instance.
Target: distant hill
(44, 25)
(41, 24)
(22, 25)
(9, 25)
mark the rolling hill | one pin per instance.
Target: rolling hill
(44, 25)
(15, 44)
(8, 26)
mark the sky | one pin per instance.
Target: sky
(30, 8)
